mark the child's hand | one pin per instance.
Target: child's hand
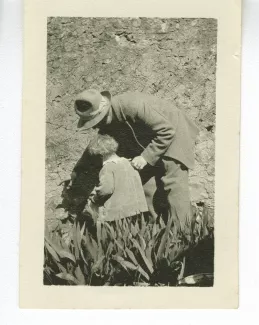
(138, 162)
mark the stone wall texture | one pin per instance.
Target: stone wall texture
(173, 59)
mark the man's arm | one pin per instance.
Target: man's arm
(135, 109)
(164, 133)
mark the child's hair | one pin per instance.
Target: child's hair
(102, 145)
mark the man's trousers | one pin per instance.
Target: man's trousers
(172, 196)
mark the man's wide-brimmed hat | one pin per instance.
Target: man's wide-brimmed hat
(92, 106)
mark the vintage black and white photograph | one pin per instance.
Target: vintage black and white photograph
(130, 151)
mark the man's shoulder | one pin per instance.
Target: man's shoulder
(127, 101)
(139, 96)
(129, 95)
(131, 98)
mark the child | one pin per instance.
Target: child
(119, 194)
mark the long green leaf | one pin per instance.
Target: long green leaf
(111, 230)
(79, 275)
(131, 256)
(78, 235)
(95, 248)
(143, 225)
(99, 238)
(142, 272)
(135, 262)
(104, 237)
(125, 264)
(80, 243)
(148, 234)
(62, 268)
(68, 277)
(82, 230)
(148, 263)
(126, 232)
(164, 240)
(109, 250)
(53, 242)
(167, 246)
(128, 265)
(52, 252)
(149, 249)
(65, 254)
(98, 263)
(99, 232)
(118, 228)
(154, 230)
(205, 219)
(181, 274)
(119, 244)
(83, 256)
(134, 229)
(142, 242)
(88, 245)
(75, 241)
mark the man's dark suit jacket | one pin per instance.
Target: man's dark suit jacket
(160, 127)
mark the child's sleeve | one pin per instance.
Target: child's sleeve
(105, 187)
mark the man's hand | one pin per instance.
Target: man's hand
(138, 162)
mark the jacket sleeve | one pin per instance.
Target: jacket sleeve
(138, 110)
(105, 187)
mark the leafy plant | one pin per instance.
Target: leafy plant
(121, 253)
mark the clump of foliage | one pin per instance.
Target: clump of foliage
(137, 253)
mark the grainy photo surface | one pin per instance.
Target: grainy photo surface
(130, 151)
(130, 154)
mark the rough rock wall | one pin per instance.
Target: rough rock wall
(173, 59)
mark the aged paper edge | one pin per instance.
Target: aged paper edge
(224, 294)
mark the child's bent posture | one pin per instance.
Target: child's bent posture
(119, 194)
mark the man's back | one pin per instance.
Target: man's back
(147, 113)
